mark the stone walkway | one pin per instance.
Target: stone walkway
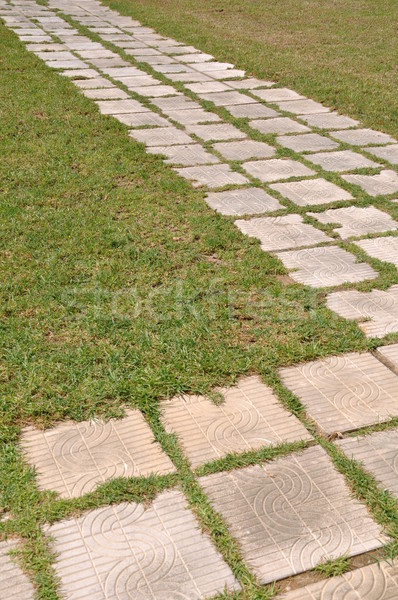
(292, 513)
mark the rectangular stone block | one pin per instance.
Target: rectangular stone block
(276, 169)
(246, 201)
(213, 176)
(161, 136)
(278, 125)
(384, 248)
(362, 137)
(193, 117)
(384, 184)
(331, 120)
(277, 95)
(311, 192)
(244, 150)
(308, 142)
(116, 107)
(191, 155)
(252, 111)
(388, 153)
(228, 98)
(303, 107)
(354, 221)
(343, 160)
(208, 133)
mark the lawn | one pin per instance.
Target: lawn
(120, 287)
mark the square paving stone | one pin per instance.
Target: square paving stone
(228, 98)
(377, 309)
(66, 64)
(378, 453)
(250, 84)
(343, 160)
(330, 120)
(55, 55)
(74, 458)
(344, 393)
(97, 83)
(373, 582)
(276, 169)
(227, 74)
(106, 94)
(138, 80)
(291, 514)
(191, 155)
(376, 185)
(127, 71)
(14, 584)
(246, 201)
(115, 107)
(80, 73)
(142, 119)
(250, 417)
(244, 150)
(252, 111)
(389, 153)
(187, 76)
(362, 137)
(280, 233)
(311, 191)
(212, 176)
(128, 551)
(325, 267)
(303, 107)
(192, 117)
(277, 94)
(309, 142)
(355, 221)
(175, 103)
(200, 57)
(154, 91)
(384, 248)
(210, 67)
(278, 125)
(161, 136)
(224, 131)
(208, 86)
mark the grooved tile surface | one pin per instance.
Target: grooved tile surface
(277, 95)
(324, 267)
(14, 584)
(252, 111)
(343, 393)
(311, 191)
(389, 153)
(343, 160)
(373, 582)
(213, 176)
(279, 233)
(116, 107)
(246, 201)
(377, 309)
(161, 136)
(376, 185)
(378, 453)
(126, 551)
(292, 513)
(329, 120)
(362, 137)
(384, 248)
(276, 169)
(191, 155)
(390, 353)
(224, 131)
(192, 117)
(244, 150)
(141, 119)
(303, 107)
(278, 125)
(249, 418)
(228, 98)
(308, 142)
(357, 221)
(73, 458)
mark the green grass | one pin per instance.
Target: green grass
(120, 287)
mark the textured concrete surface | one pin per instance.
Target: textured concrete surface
(221, 132)
(74, 458)
(249, 418)
(214, 176)
(303, 107)
(376, 185)
(343, 160)
(161, 136)
(244, 150)
(276, 169)
(344, 393)
(246, 201)
(14, 584)
(309, 142)
(311, 192)
(388, 153)
(362, 137)
(290, 514)
(189, 156)
(384, 248)
(329, 121)
(278, 125)
(355, 221)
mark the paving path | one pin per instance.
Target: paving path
(303, 180)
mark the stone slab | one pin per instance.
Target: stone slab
(325, 267)
(142, 119)
(278, 125)
(344, 393)
(14, 584)
(193, 117)
(188, 76)
(343, 160)
(228, 98)
(227, 74)
(378, 581)
(208, 86)
(251, 83)
(154, 61)
(309, 142)
(377, 309)
(276, 169)
(249, 418)
(376, 185)
(388, 153)
(128, 551)
(277, 95)
(189, 156)
(200, 57)
(66, 64)
(213, 176)
(161, 136)
(74, 458)
(291, 514)
(175, 103)
(246, 201)
(153, 91)
(116, 107)
(384, 248)
(281, 233)
(355, 221)
(80, 73)
(303, 107)
(138, 80)
(97, 83)
(378, 454)
(311, 191)
(224, 131)
(244, 150)
(362, 137)
(389, 354)
(105, 94)
(330, 120)
(126, 71)
(210, 67)
(252, 111)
